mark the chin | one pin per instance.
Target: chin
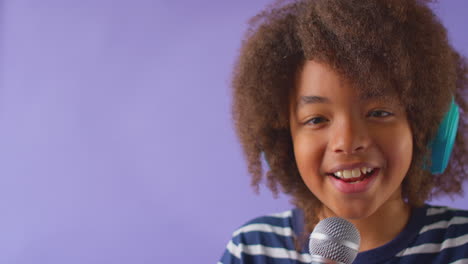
(353, 211)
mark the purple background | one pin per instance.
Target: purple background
(116, 142)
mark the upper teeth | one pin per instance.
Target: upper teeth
(354, 173)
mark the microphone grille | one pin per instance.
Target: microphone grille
(333, 238)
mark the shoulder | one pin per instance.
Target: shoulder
(443, 237)
(445, 218)
(275, 230)
(279, 224)
(266, 239)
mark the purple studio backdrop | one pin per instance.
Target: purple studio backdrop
(116, 142)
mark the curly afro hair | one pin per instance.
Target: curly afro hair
(376, 45)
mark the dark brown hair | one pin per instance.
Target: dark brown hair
(376, 45)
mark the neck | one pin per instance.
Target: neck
(383, 225)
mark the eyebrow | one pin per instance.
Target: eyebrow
(312, 100)
(371, 96)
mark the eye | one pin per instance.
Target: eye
(379, 113)
(316, 121)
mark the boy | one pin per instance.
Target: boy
(343, 99)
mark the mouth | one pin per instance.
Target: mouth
(355, 182)
(355, 175)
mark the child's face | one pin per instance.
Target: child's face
(335, 130)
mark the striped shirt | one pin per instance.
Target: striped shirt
(433, 235)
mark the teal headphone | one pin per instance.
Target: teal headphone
(443, 142)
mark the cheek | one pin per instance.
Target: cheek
(405, 148)
(308, 154)
(399, 151)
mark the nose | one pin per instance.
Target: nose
(349, 136)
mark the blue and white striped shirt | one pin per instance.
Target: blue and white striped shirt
(433, 235)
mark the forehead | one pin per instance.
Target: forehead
(319, 80)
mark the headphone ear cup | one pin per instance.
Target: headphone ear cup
(442, 144)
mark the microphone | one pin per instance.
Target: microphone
(334, 240)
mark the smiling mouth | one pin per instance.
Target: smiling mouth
(355, 175)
